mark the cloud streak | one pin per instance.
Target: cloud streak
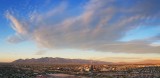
(98, 27)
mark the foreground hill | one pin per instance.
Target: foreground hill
(50, 60)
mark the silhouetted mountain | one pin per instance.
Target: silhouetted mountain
(50, 60)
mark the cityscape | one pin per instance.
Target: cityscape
(79, 71)
(79, 38)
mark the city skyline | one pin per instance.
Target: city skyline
(106, 30)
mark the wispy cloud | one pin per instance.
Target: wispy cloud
(41, 52)
(98, 27)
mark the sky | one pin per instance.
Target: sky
(106, 30)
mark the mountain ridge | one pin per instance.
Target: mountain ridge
(58, 60)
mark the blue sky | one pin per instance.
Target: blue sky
(86, 29)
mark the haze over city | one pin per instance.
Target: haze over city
(104, 30)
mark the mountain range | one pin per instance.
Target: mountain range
(57, 60)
